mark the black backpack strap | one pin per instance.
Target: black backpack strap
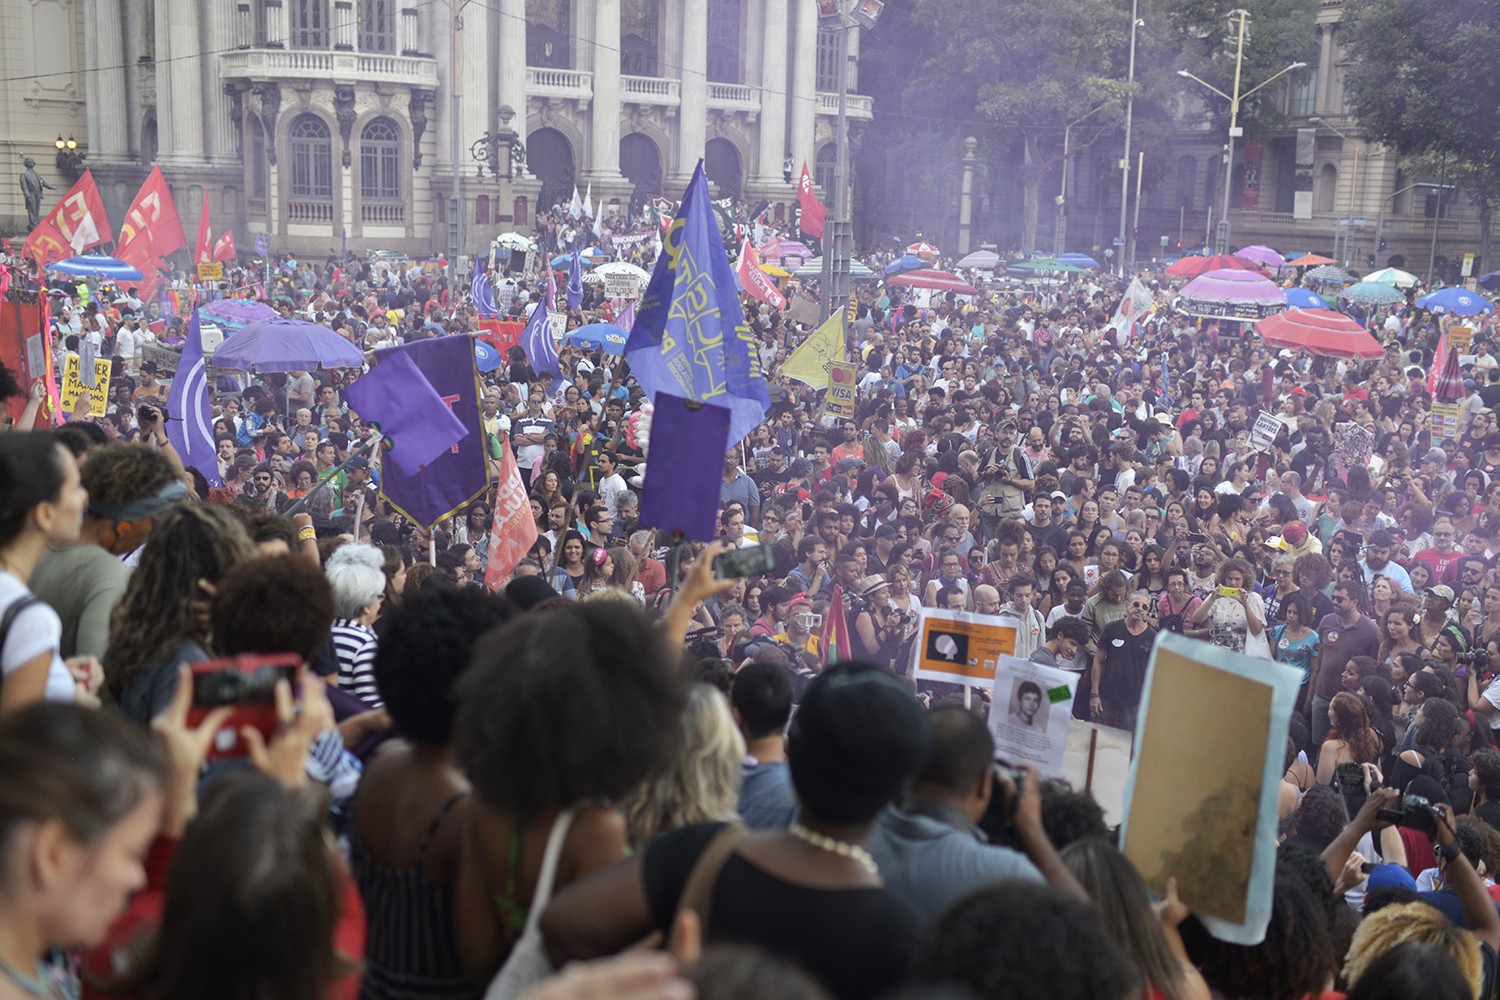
(11, 614)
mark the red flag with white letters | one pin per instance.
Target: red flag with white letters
(75, 223)
(813, 211)
(755, 281)
(514, 532)
(224, 249)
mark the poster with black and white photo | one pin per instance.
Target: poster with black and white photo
(1030, 707)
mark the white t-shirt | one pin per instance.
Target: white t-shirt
(36, 630)
(609, 492)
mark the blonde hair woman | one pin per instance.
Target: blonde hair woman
(702, 784)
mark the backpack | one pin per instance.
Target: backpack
(1451, 771)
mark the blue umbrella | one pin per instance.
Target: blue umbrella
(286, 345)
(910, 262)
(1301, 298)
(97, 267)
(598, 335)
(486, 357)
(1078, 259)
(1458, 301)
(588, 256)
(1491, 280)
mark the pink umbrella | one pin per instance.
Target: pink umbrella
(1320, 331)
(1231, 293)
(1263, 255)
(937, 280)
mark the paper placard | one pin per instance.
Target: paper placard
(36, 357)
(1201, 803)
(1031, 705)
(1267, 426)
(961, 647)
(73, 387)
(622, 286)
(1097, 760)
(1445, 416)
(1459, 338)
(211, 271)
(841, 382)
(559, 323)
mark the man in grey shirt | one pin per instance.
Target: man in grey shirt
(929, 850)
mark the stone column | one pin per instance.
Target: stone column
(1326, 56)
(478, 114)
(104, 49)
(692, 125)
(773, 92)
(219, 17)
(344, 25)
(410, 31)
(804, 88)
(179, 88)
(512, 63)
(605, 110)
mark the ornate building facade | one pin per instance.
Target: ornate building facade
(319, 121)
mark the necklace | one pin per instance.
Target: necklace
(37, 985)
(843, 849)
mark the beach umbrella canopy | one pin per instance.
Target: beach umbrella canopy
(1393, 276)
(924, 250)
(1372, 293)
(514, 241)
(814, 267)
(909, 262)
(97, 267)
(598, 335)
(486, 357)
(1328, 272)
(1231, 293)
(1272, 260)
(1047, 264)
(1320, 331)
(985, 260)
(940, 281)
(588, 256)
(775, 271)
(286, 345)
(1458, 301)
(1191, 267)
(1079, 259)
(241, 312)
(1311, 260)
(1491, 280)
(1301, 298)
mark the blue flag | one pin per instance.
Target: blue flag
(189, 424)
(482, 294)
(416, 421)
(536, 341)
(575, 280)
(690, 336)
(459, 475)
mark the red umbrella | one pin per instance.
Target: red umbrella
(1320, 331)
(1450, 384)
(1191, 267)
(940, 281)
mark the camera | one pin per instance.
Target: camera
(1416, 813)
(145, 414)
(1478, 658)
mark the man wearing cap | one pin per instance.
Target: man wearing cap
(800, 622)
(1006, 476)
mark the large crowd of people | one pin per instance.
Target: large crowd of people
(452, 791)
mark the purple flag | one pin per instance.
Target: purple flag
(685, 470)
(575, 280)
(460, 475)
(188, 418)
(536, 341)
(417, 424)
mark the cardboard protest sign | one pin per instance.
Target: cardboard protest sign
(1030, 708)
(1267, 426)
(960, 647)
(1097, 760)
(1201, 803)
(622, 286)
(73, 387)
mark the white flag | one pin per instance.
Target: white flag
(588, 201)
(1133, 306)
(575, 207)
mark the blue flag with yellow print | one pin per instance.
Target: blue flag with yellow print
(690, 337)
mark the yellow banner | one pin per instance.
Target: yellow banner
(211, 271)
(73, 387)
(810, 362)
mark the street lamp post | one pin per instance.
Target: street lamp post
(836, 250)
(1380, 219)
(1222, 241)
(1060, 231)
(1129, 110)
(1348, 227)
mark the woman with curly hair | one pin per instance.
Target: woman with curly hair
(156, 624)
(1351, 740)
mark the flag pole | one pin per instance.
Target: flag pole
(375, 438)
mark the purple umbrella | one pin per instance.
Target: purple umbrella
(1231, 293)
(286, 345)
(1272, 260)
(240, 311)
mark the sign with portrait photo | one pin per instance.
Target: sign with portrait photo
(1030, 710)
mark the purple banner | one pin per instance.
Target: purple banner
(685, 470)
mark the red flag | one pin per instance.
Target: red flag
(75, 223)
(154, 214)
(204, 252)
(813, 211)
(514, 532)
(224, 249)
(757, 282)
(835, 645)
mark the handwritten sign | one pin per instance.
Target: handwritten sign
(622, 286)
(73, 387)
(211, 271)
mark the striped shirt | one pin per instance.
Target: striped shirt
(354, 645)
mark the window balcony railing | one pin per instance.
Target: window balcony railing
(570, 83)
(733, 97)
(315, 212)
(377, 213)
(350, 67)
(651, 90)
(860, 105)
(257, 207)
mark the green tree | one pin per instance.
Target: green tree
(1422, 82)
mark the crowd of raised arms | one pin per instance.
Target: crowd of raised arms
(618, 775)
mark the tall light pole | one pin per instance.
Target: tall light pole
(1222, 241)
(1348, 228)
(1059, 232)
(836, 250)
(1129, 110)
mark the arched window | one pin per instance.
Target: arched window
(1328, 185)
(482, 210)
(380, 161)
(519, 210)
(312, 159)
(823, 170)
(257, 158)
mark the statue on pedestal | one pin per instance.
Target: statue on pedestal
(32, 186)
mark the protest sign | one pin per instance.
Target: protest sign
(210, 271)
(622, 286)
(1031, 705)
(1267, 426)
(960, 647)
(73, 387)
(1201, 802)
(1097, 760)
(841, 376)
(559, 324)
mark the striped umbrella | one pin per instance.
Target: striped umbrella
(1191, 267)
(1327, 272)
(1372, 293)
(1450, 385)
